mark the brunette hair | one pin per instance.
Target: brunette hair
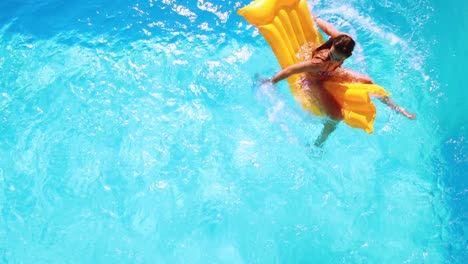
(344, 44)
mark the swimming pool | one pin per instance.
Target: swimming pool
(136, 132)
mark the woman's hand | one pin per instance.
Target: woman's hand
(263, 80)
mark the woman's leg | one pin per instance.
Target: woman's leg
(313, 92)
(386, 100)
(328, 128)
(318, 95)
(350, 76)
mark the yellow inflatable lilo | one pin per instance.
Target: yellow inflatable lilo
(287, 26)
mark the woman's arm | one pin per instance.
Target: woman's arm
(306, 66)
(328, 28)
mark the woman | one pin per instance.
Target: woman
(325, 64)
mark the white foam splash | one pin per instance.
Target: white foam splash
(210, 7)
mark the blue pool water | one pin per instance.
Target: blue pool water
(135, 132)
